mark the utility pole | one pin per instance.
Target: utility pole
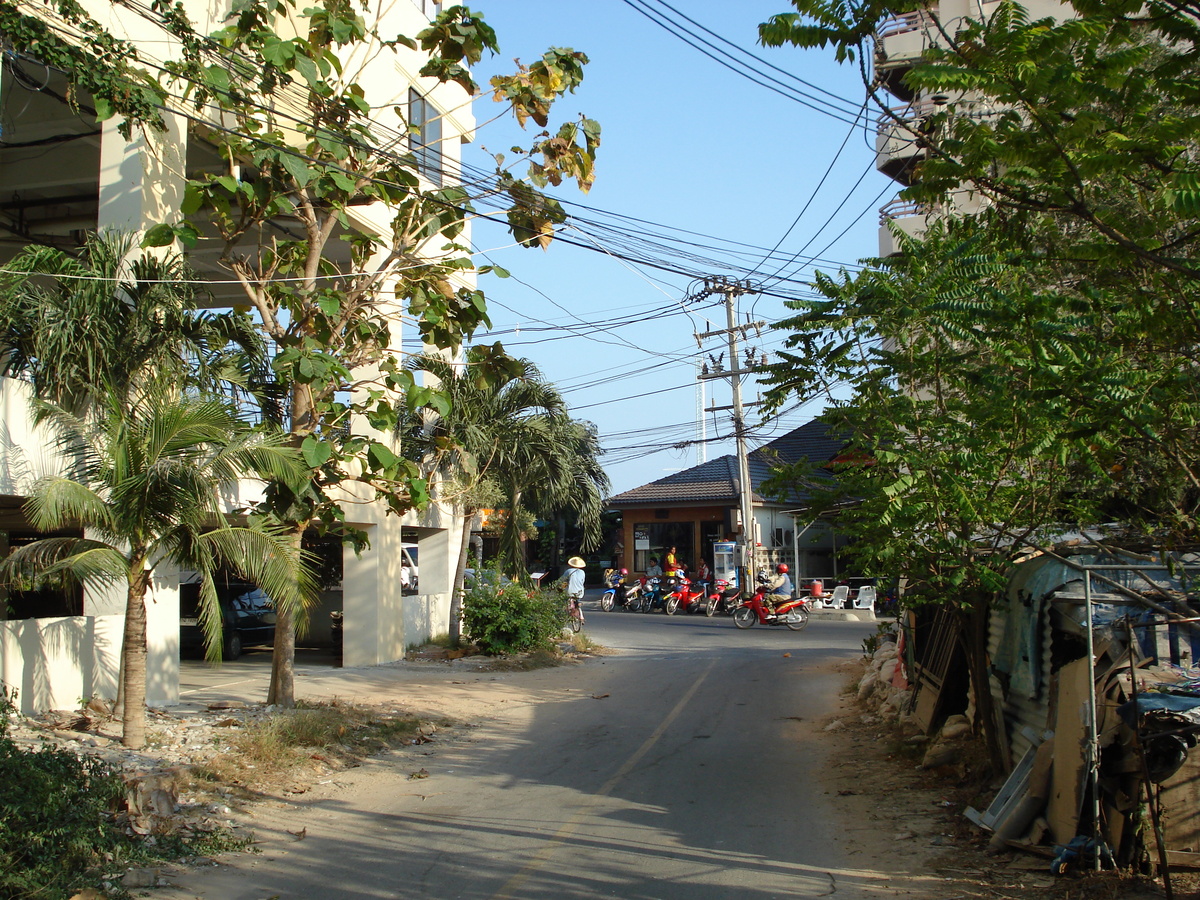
(730, 290)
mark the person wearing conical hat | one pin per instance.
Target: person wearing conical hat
(573, 580)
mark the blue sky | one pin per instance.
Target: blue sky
(719, 167)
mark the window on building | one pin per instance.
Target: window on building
(655, 538)
(425, 136)
(428, 7)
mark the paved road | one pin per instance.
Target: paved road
(677, 768)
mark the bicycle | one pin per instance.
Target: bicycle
(576, 612)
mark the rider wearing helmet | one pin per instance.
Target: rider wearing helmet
(779, 588)
(619, 587)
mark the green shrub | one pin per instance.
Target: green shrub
(57, 832)
(55, 813)
(507, 617)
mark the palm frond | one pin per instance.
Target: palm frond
(73, 560)
(56, 502)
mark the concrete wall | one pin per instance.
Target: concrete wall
(55, 663)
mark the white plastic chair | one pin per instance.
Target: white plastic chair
(841, 594)
(865, 598)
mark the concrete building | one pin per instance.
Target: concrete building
(899, 147)
(63, 174)
(698, 506)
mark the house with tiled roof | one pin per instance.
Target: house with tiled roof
(692, 509)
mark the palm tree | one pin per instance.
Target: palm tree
(144, 482)
(506, 430)
(105, 338)
(108, 321)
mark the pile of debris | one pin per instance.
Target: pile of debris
(884, 688)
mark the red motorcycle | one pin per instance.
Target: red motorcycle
(792, 613)
(724, 597)
(687, 595)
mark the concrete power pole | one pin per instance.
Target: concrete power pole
(730, 290)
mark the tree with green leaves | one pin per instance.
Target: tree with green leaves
(327, 291)
(119, 361)
(108, 320)
(143, 481)
(499, 434)
(1080, 135)
(1029, 363)
(961, 448)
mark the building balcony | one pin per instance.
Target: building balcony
(899, 43)
(899, 138)
(910, 218)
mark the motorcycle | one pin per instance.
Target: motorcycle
(689, 596)
(617, 593)
(654, 594)
(792, 613)
(724, 598)
(634, 597)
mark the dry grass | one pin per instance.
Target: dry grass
(290, 743)
(581, 643)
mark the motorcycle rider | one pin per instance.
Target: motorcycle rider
(779, 588)
(654, 570)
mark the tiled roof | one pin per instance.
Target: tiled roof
(716, 480)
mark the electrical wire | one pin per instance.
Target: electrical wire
(757, 76)
(642, 260)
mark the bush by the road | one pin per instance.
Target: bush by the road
(58, 822)
(506, 617)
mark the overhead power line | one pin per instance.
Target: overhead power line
(843, 111)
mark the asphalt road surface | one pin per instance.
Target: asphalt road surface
(683, 766)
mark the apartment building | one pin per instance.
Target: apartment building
(899, 43)
(63, 174)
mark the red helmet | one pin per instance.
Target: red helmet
(781, 568)
(624, 571)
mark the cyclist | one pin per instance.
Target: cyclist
(573, 582)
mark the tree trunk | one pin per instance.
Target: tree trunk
(282, 690)
(133, 658)
(460, 576)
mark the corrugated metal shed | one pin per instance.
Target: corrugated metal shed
(1044, 597)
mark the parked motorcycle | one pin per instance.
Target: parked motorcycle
(616, 594)
(688, 596)
(723, 598)
(635, 596)
(654, 594)
(792, 613)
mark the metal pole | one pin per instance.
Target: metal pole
(1093, 754)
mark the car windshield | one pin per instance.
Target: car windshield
(249, 598)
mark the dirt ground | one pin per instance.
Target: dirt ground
(890, 801)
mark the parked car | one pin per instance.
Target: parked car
(408, 568)
(248, 614)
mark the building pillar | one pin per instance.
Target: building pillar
(142, 179)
